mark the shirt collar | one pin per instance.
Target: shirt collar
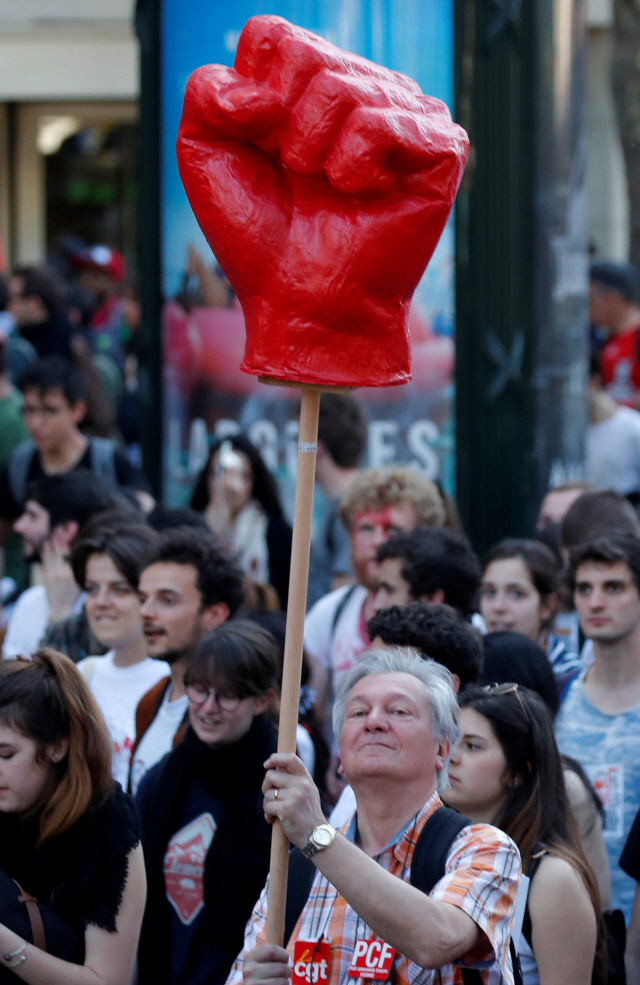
(402, 841)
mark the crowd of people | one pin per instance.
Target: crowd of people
(464, 802)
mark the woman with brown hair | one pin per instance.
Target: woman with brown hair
(68, 835)
(506, 771)
(519, 593)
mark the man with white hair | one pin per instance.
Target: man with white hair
(396, 718)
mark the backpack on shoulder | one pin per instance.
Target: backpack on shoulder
(103, 465)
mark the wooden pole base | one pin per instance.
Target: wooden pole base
(294, 642)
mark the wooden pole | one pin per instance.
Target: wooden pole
(293, 645)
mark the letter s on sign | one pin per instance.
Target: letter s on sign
(420, 435)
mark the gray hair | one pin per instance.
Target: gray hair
(438, 690)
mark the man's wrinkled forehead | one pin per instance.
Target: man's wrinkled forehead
(389, 685)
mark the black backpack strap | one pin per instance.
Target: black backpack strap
(340, 608)
(526, 920)
(429, 863)
(430, 859)
(301, 873)
(432, 848)
(18, 470)
(103, 461)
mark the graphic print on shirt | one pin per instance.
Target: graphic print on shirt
(184, 867)
(608, 782)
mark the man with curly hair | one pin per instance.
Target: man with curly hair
(379, 503)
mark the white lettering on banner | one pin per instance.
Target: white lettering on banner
(226, 427)
(419, 438)
(198, 445)
(382, 448)
(291, 430)
(264, 435)
(280, 448)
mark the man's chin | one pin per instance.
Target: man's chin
(169, 656)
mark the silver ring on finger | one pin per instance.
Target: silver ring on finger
(275, 794)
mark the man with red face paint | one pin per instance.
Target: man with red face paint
(379, 502)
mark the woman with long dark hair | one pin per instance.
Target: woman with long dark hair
(514, 658)
(205, 837)
(506, 770)
(68, 834)
(239, 498)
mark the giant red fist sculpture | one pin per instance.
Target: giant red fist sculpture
(322, 183)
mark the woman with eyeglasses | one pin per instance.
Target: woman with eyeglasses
(506, 770)
(206, 842)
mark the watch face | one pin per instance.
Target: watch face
(322, 837)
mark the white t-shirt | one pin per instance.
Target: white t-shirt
(337, 647)
(613, 452)
(157, 741)
(28, 622)
(305, 748)
(118, 691)
(344, 809)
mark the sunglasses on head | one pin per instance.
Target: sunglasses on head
(507, 688)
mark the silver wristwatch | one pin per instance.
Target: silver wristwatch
(321, 837)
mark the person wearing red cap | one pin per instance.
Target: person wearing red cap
(103, 271)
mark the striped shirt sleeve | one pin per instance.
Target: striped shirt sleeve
(482, 877)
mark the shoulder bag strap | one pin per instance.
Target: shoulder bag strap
(102, 460)
(340, 609)
(35, 917)
(18, 470)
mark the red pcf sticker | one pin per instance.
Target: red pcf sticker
(311, 962)
(371, 959)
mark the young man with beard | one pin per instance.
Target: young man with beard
(379, 503)
(57, 506)
(187, 588)
(599, 720)
(428, 565)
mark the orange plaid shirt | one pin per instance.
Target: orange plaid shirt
(481, 877)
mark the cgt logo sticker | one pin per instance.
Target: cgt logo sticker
(371, 959)
(311, 962)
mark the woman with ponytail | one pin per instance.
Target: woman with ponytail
(506, 770)
(68, 835)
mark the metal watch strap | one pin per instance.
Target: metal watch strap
(312, 847)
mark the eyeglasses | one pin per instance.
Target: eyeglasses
(198, 694)
(496, 689)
